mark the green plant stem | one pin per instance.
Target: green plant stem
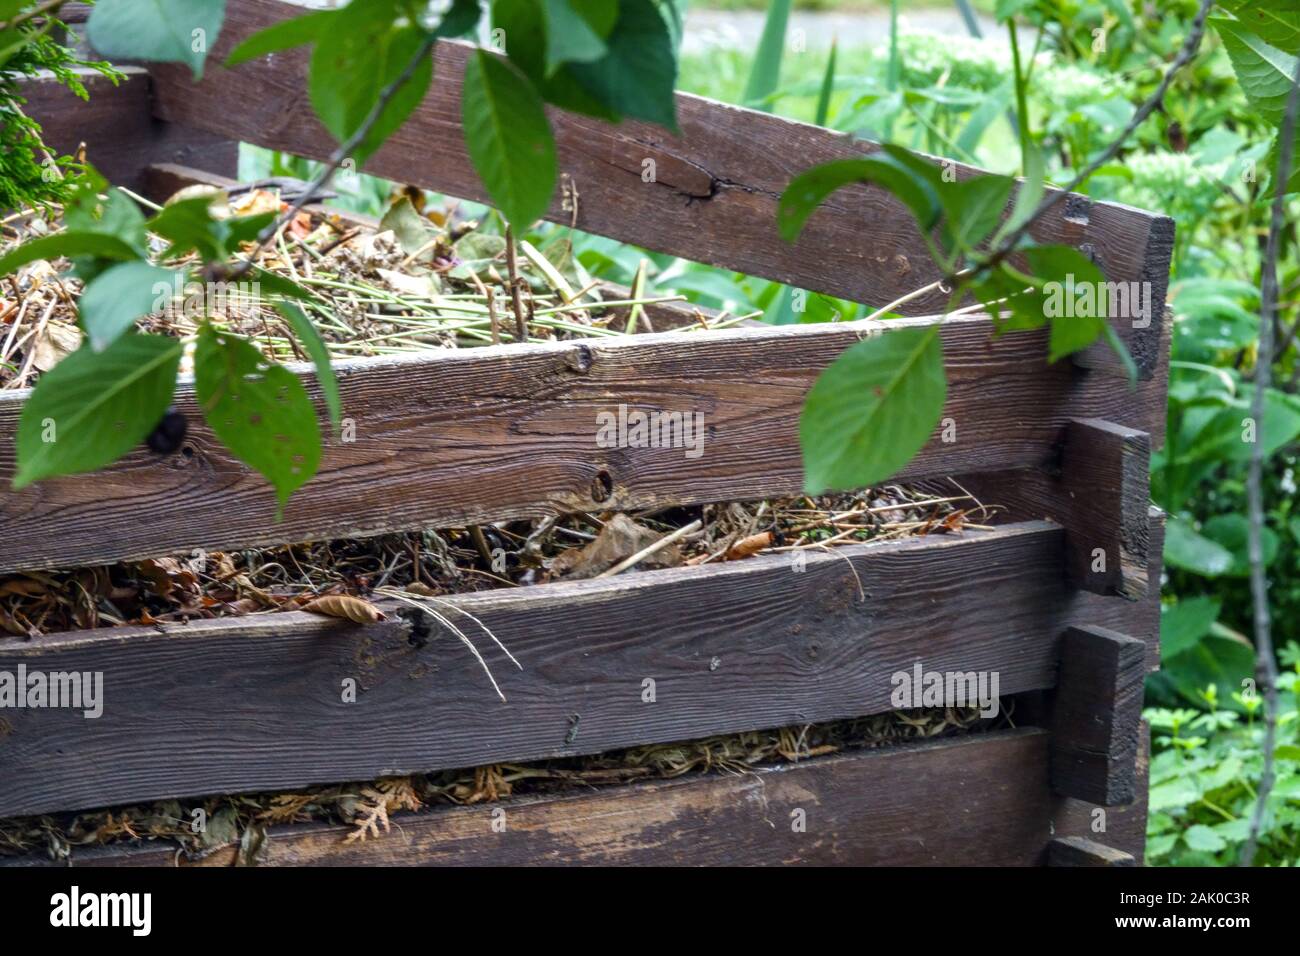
(49, 6)
(1010, 243)
(1022, 106)
(1265, 662)
(895, 68)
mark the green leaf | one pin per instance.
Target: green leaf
(460, 19)
(1232, 531)
(508, 137)
(309, 335)
(828, 86)
(569, 37)
(765, 74)
(972, 209)
(94, 407)
(165, 31)
(277, 284)
(1201, 837)
(873, 409)
(1276, 22)
(353, 62)
(1073, 291)
(67, 244)
(1005, 9)
(1187, 549)
(1263, 71)
(284, 35)
(811, 188)
(260, 411)
(95, 207)
(1287, 752)
(1184, 623)
(636, 77)
(115, 298)
(190, 226)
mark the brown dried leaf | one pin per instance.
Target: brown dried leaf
(346, 606)
(749, 546)
(56, 342)
(618, 540)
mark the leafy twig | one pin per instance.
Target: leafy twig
(1265, 663)
(49, 6)
(337, 158)
(1007, 247)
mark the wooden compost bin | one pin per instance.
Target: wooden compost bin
(504, 432)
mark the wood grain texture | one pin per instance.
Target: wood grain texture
(1080, 851)
(256, 702)
(981, 800)
(1097, 714)
(1123, 827)
(714, 191)
(117, 125)
(1106, 491)
(448, 438)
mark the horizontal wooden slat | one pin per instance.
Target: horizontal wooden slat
(891, 807)
(450, 438)
(117, 125)
(712, 197)
(256, 702)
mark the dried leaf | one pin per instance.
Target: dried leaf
(618, 540)
(749, 546)
(346, 606)
(56, 341)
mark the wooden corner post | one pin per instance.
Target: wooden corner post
(1097, 715)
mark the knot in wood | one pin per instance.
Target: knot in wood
(581, 359)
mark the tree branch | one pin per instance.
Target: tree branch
(1265, 663)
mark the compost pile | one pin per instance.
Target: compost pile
(366, 808)
(418, 281)
(169, 590)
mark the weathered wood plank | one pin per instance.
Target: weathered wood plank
(1097, 713)
(1080, 851)
(890, 807)
(1122, 827)
(712, 196)
(256, 702)
(1105, 489)
(117, 125)
(451, 438)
